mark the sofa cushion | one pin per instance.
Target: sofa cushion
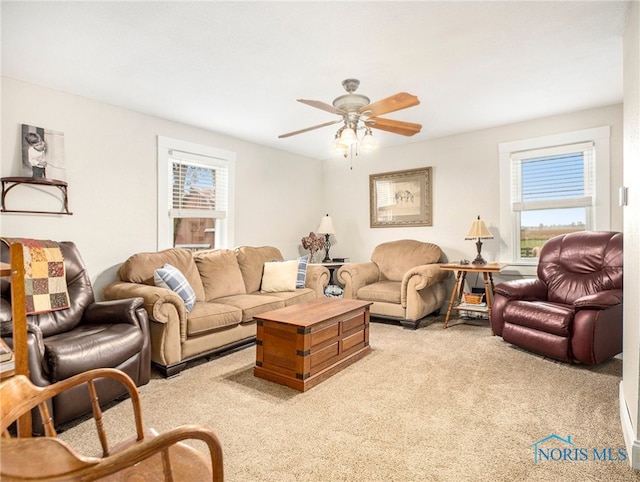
(293, 297)
(279, 276)
(253, 304)
(251, 261)
(220, 273)
(171, 278)
(207, 316)
(140, 268)
(395, 258)
(386, 291)
(580, 264)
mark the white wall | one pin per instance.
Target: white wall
(630, 387)
(111, 171)
(465, 184)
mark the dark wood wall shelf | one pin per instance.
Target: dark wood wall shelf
(8, 183)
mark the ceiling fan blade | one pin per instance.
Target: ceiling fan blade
(322, 105)
(396, 102)
(289, 134)
(390, 125)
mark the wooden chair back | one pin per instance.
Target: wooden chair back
(147, 456)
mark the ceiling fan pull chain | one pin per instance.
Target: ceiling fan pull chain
(351, 159)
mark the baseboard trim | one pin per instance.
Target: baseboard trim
(633, 444)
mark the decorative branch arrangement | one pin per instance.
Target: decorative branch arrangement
(313, 243)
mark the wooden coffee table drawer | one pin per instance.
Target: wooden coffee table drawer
(299, 346)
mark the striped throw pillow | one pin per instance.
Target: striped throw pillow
(170, 277)
(303, 261)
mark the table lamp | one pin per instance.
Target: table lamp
(326, 228)
(479, 231)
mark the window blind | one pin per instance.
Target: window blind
(556, 177)
(199, 186)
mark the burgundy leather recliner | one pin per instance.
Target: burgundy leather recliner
(89, 334)
(573, 311)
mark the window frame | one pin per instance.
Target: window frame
(600, 212)
(206, 155)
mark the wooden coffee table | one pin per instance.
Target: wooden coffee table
(301, 345)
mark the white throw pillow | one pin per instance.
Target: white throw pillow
(279, 276)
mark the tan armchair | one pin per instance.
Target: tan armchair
(403, 279)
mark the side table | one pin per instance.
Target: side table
(457, 293)
(333, 266)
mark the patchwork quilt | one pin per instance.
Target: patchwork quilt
(44, 275)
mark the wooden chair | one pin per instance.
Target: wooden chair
(148, 456)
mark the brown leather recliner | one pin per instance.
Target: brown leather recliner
(573, 311)
(89, 334)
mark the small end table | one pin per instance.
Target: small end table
(457, 293)
(332, 267)
(333, 289)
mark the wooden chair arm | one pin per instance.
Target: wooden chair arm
(53, 459)
(20, 396)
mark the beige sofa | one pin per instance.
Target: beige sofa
(403, 279)
(227, 286)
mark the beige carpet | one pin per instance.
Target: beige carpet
(425, 405)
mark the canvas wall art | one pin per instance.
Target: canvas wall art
(42, 153)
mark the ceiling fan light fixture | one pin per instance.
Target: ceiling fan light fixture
(358, 113)
(338, 146)
(348, 136)
(368, 143)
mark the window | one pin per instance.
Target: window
(552, 185)
(194, 195)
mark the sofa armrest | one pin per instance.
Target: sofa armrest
(154, 299)
(114, 311)
(523, 289)
(599, 301)
(167, 318)
(356, 275)
(427, 275)
(317, 279)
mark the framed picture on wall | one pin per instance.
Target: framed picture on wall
(42, 153)
(401, 198)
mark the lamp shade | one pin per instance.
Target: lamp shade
(478, 230)
(326, 226)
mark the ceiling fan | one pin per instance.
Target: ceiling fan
(357, 112)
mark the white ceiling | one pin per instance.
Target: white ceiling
(238, 67)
